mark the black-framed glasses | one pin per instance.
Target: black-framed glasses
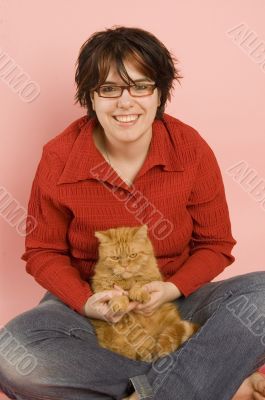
(139, 90)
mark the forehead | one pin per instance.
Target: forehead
(133, 72)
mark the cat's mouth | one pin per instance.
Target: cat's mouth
(126, 274)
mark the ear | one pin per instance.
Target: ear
(102, 236)
(141, 233)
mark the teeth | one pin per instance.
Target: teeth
(127, 118)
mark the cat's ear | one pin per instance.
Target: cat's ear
(102, 236)
(141, 233)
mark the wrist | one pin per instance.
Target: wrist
(173, 291)
(84, 309)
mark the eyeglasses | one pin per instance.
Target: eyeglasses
(139, 90)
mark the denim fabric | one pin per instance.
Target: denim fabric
(51, 351)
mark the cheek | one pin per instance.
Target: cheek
(135, 262)
(111, 263)
(103, 109)
(150, 111)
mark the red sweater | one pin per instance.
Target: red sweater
(178, 193)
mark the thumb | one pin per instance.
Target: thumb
(103, 296)
(119, 288)
(132, 305)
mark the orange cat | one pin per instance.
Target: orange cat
(126, 259)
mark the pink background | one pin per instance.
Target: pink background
(222, 96)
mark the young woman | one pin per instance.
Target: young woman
(127, 163)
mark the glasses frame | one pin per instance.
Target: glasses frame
(123, 87)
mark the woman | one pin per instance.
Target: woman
(124, 164)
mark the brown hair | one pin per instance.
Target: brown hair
(118, 44)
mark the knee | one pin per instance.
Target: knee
(255, 282)
(246, 301)
(255, 278)
(250, 282)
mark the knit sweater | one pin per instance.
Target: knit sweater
(178, 192)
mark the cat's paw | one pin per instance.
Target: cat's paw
(119, 304)
(139, 294)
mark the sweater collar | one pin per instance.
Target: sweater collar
(86, 162)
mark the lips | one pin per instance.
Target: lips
(129, 118)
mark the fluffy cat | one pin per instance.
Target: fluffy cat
(126, 258)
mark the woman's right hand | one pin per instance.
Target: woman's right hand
(97, 306)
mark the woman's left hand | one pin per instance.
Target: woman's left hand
(161, 292)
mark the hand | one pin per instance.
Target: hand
(161, 292)
(97, 306)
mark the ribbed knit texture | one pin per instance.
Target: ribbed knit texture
(178, 193)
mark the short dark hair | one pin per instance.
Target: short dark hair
(118, 44)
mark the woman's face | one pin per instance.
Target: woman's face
(142, 108)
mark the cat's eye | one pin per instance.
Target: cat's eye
(133, 255)
(114, 258)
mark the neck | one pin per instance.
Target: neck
(121, 151)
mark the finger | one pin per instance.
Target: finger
(148, 287)
(106, 295)
(131, 307)
(259, 385)
(257, 396)
(103, 296)
(145, 306)
(141, 307)
(119, 288)
(101, 307)
(114, 320)
(152, 286)
(115, 317)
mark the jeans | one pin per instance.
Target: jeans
(51, 351)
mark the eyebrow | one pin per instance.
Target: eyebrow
(135, 80)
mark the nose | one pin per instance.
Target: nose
(126, 100)
(124, 263)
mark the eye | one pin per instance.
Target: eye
(114, 258)
(107, 89)
(141, 87)
(133, 255)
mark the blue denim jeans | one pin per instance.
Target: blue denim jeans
(51, 351)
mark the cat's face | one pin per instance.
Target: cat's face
(124, 251)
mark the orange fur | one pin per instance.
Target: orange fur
(126, 258)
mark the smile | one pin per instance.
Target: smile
(126, 118)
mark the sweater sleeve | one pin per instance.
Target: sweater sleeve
(212, 241)
(46, 247)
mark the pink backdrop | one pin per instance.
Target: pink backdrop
(222, 57)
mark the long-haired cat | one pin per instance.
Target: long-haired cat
(126, 259)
